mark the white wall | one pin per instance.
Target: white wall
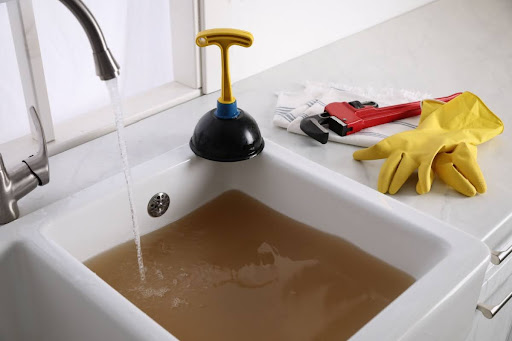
(285, 29)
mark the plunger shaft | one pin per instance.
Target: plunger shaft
(224, 38)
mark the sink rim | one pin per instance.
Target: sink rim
(465, 253)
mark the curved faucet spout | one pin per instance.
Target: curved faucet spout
(106, 66)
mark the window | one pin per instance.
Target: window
(147, 40)
(138, 34)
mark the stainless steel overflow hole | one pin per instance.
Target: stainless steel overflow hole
(158, 204)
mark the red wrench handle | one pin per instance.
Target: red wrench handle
(376, 116)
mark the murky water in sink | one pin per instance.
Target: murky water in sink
(118, 112)
(235, 269)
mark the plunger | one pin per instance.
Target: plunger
(226, 133)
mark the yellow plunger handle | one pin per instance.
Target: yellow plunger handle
(224, 38)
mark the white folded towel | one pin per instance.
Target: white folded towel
(292, 107)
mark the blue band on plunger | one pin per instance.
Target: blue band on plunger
(227, 111)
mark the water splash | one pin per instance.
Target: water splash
(115, 98)
(279, 269)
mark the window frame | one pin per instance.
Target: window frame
(96, 123)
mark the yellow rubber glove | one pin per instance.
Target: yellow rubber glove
(465, 119)
(458, 169)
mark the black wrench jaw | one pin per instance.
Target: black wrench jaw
(317, 126)
(314, 129)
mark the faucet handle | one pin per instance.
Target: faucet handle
(38, 163)
(3, 171)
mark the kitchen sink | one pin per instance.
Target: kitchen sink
(47, 293)
(41, 302)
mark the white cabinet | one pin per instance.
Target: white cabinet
(497, 286)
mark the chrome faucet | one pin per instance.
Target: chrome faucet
(34, 171)
(106, 66)
(18, 182)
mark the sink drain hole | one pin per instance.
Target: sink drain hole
(158, 204)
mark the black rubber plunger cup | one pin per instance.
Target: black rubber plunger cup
(226, 133)
(227, 140)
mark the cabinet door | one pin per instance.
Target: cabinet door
(495, 289)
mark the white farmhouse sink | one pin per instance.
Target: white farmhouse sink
(46, 291)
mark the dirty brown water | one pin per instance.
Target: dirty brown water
(235, 269)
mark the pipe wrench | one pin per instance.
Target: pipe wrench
(345, 118)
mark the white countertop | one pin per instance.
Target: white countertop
(441, 48)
